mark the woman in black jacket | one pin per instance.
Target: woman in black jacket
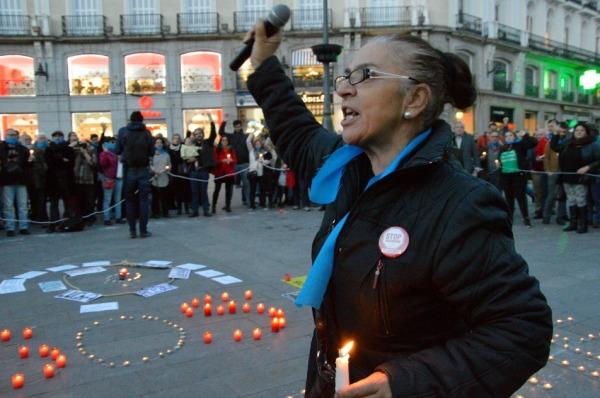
(415, 259)
(577, 157)
(514, 166)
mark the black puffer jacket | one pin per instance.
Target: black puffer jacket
(457, 314)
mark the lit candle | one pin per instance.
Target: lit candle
(274, 325)
(189, 312)
(232, 307)
(195, 302)
(27, 333)
(207, 299)
(246, 307)
(220, 310)
(248, 294)
(17, 380)
(497, 163)
(5, 334)
(342, 374)
(184, 307)
(207, 309)
(484, 153)
(44, 350)
(207, 337)
(280, 313)
(23, 351)
(48, 370)
(61, 361)
(237, 335)
(257, 334)
(272, 312)
(260, 308)
(281, 323)
(123, 273)
(31, 151)
(54, 352)
(288, 277)
(225, 296)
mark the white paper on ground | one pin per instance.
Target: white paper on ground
(191, 266)
(62, 268)
(226, 280)
(156, 289)
(85, 271)
(99, 307)
(30, 274)
(12, 286)
(79, 295)
(179, 273)
(210, 273)
(52, 286)
(96, 264)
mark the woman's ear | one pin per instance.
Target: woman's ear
(416, 99)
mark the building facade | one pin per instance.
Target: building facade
(85, 65)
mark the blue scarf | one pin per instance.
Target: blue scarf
(513, 142)
(496, 145)
(314, 287)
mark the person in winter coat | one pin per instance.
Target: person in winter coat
(60, 158)
(224, 173)
(161, 165)
(112, 185)
(577, 157)
(261, 154)
(514, 166)
(398, 262)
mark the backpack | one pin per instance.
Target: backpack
(73, 224)
(136, 148)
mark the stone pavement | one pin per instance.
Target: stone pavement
(141, 339)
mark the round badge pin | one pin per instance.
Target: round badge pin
(393, 242)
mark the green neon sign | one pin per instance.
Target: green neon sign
(590, 79)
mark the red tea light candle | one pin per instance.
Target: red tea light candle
(246, 307)
(280, 313)
(54, 353)
(27, 333)
(123, 272)
(248, 294)
(5, 335)
(23, 352)
(232, 307)
(257, 334)
(237, 335)
(272, 312)
(220, 310)
(48, 371)
(282, 323)
(274, 325)
(207, 309)
(18, 380)
(207, 299)
(189, 312)
(195, 302)
(61, 361)
(225, 297)
(288, 277)
(260, 308)
(207, 337)
(184, 307)
(44, 350)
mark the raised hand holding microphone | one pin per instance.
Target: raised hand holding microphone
(268, 31)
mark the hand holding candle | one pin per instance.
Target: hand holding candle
(342, 373)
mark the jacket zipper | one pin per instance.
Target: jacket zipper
(377, 272)
(381, 302)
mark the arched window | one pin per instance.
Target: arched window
(16, 76)
(145, 73)
(201, 71)
(88, 74)
(501, 77)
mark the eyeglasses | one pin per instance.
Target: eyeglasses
(359, 75)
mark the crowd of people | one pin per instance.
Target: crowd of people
(556, 166)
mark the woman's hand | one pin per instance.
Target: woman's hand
(263, 46)
(376, 385)
(583, 170)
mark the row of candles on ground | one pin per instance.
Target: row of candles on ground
(276, 325)
(5, 334)
(61, 361)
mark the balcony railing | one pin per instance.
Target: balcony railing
(141, 24)
(310, 19)
(197, 22)
(83, 25)
(469, 23)
(245, 20)
(583, 97)
(502, 85)
(14, 25)
(386, 16)
(567, 96)
(550, 93)
(25, 87)
(506, 33)
(532, 90)
(200, 83)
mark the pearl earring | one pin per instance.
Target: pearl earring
(407, 115)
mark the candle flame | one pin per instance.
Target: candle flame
(346, 349)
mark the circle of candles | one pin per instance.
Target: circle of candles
(207, 337)
(195, 302)
(189, 312)
(260, 308)
(281, 323)
(248, 294)
(246, 307)
(220, 310)
(184, 307)
(27, 333)
(48, 370)
(280, 313)
(272, 312)
(257, 333)
(232, 307)
(275, 325)
(23, 352)
(61, 361)
(207, 309)
(237, 335)
(5, 335)
(207, 299)
(54, 352)
(225, 296)
(18, 380)
(44, 350)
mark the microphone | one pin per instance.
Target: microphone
(276, 19)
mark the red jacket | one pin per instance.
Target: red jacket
(222, 155)
(540, 150)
